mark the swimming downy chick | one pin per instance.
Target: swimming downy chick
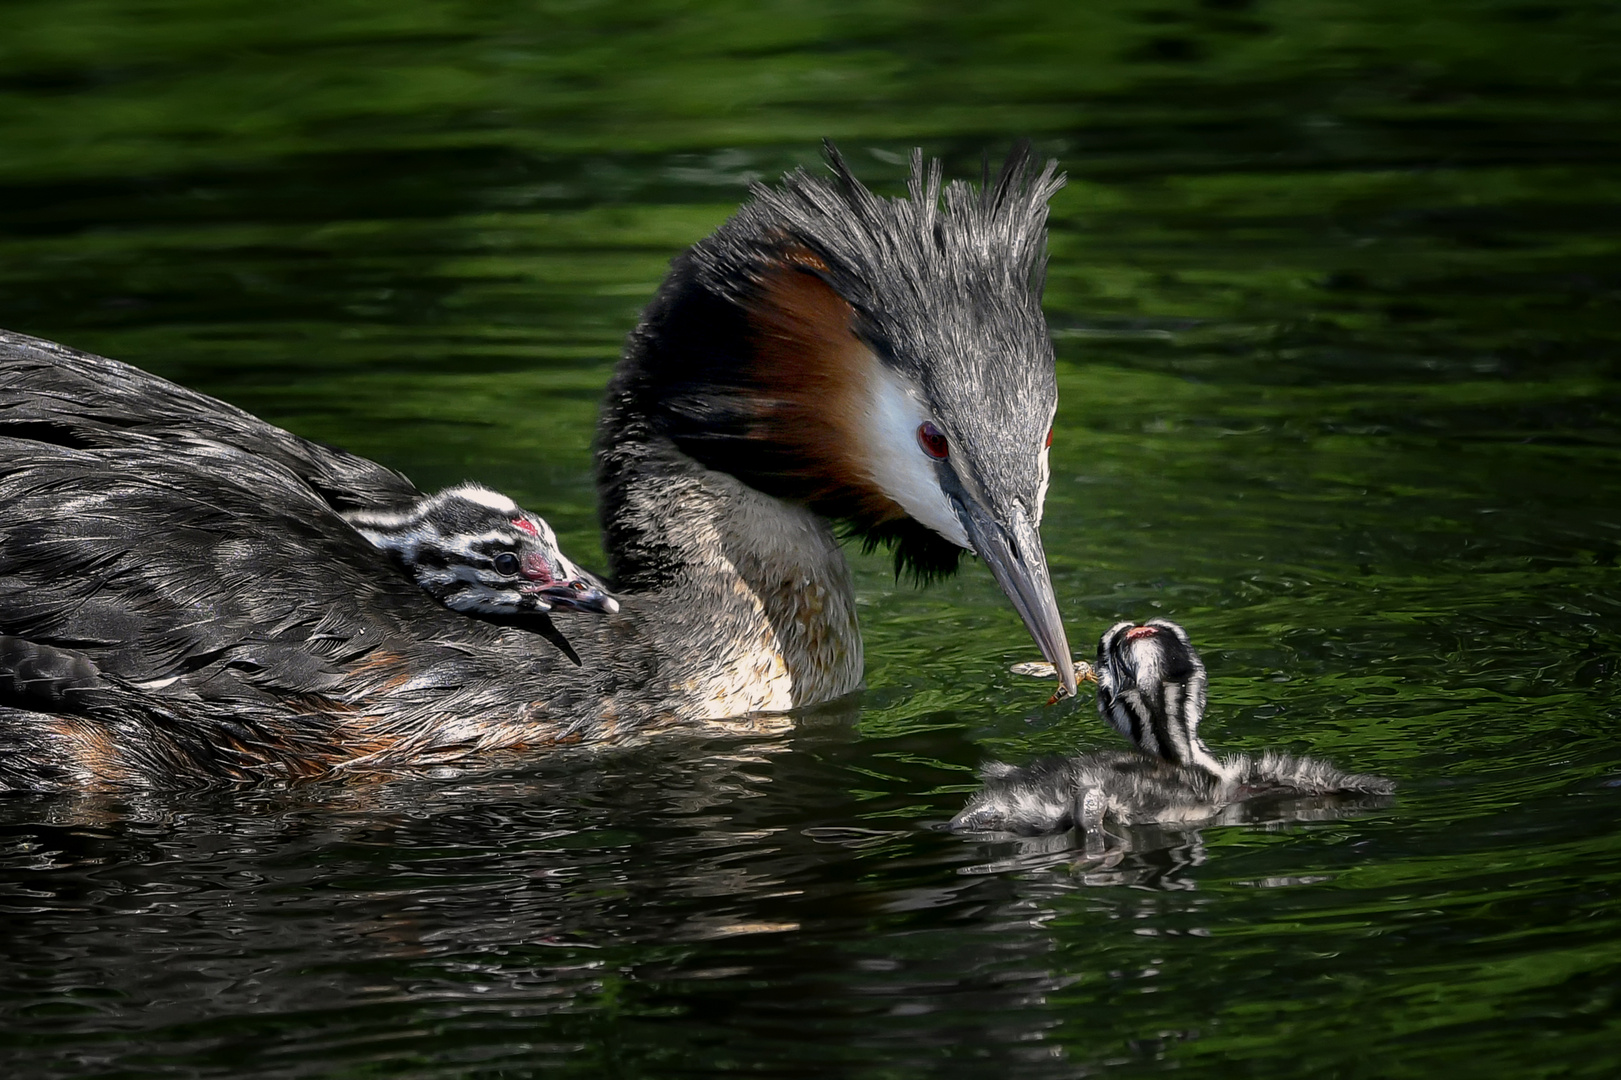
(1151, 689)
(476, 551)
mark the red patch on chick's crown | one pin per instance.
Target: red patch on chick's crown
(527, 526)
(1141, 632)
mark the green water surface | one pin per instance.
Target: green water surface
(1337, 302)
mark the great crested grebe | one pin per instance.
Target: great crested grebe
(1151, 689)
(181, 599)
(476, 551)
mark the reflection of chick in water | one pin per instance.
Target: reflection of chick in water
(1151, 688)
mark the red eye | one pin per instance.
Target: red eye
(932, 440)
(1049, 438)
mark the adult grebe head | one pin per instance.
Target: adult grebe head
(884, 362)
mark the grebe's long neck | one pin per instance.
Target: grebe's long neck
(747, 595)
(824, 356)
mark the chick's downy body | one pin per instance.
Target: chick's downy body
(1151, 689)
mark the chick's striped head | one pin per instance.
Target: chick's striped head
(476, 551)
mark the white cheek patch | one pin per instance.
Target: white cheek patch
(1046, 478)
(897, 464)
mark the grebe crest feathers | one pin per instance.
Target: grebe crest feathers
(883, 362)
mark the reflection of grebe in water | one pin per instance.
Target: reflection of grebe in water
(1151, 688)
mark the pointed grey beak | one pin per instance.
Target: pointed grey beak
(1019, 565)
(582, 593)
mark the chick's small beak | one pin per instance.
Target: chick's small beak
(581, 595)
(574, 588)
(1016, 559)
(564, 585)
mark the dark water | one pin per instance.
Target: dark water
(1336, 296)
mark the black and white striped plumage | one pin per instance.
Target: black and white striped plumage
(1151, 689)
(476, 551)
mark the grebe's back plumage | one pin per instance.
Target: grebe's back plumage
(1151, 689)
(182, 573)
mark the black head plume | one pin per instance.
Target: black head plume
(798, 346)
